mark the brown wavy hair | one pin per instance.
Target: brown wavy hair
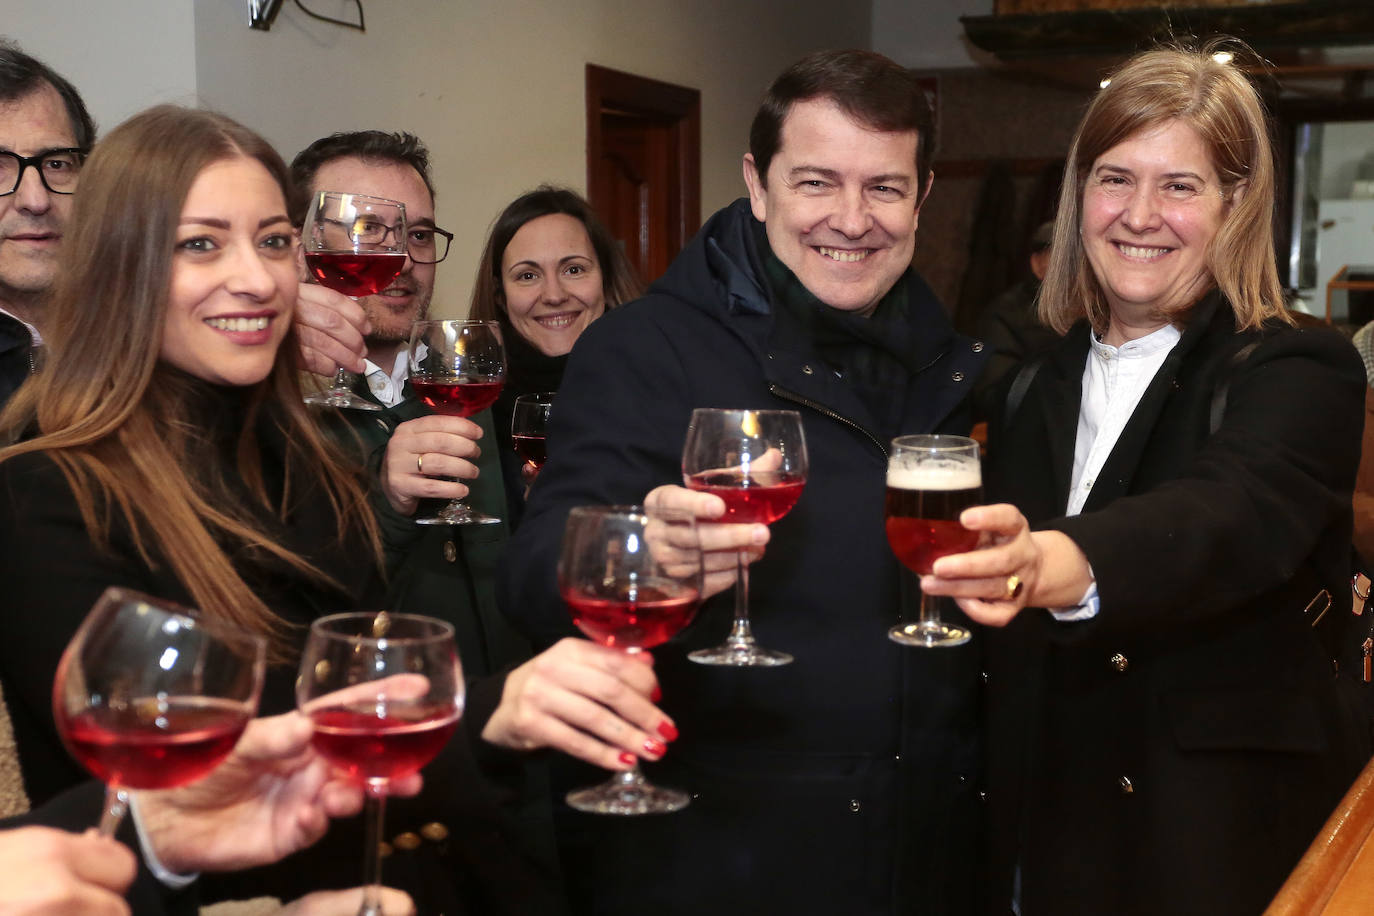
(619, 282)
(120, 424)
(1214, 97)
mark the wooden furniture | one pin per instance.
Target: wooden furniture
(1336, 875)
(1349, 277)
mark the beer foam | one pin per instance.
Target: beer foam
(963, 476)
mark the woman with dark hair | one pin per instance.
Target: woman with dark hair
(1168, 730)
(549, 269)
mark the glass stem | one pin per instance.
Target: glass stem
(741, 634)
(374, 812)
(341, 380)
(116, 806)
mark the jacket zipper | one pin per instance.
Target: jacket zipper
(792, 396)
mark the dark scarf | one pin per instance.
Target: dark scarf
(528, 371)
(875, 355)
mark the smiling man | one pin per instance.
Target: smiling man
(45, 134)
(845, 782)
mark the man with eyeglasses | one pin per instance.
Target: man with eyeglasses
(45, 133)
(445, 571)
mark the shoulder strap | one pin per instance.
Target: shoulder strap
(1223, 389)
(1025, 374)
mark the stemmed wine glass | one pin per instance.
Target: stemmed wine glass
(930, 480)
(755, 460)
(631, 581)
(527, 425)
(149, 697)
(385, 692)
(457, 367)
(355, 245)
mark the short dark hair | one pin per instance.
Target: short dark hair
(873, 90)
(619, 281)
(21, 74)
(399, 148)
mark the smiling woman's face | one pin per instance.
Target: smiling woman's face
(552, 281)
(1151, 206)
(234, 280)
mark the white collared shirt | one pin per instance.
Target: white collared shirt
(1114, 380)
(387, 386)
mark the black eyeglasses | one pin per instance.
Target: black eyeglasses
(58, 169)
(427, 244)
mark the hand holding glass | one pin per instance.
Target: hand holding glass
(457, 367)
(148, 697)
(754, 460)
(355, 245)
(631, 582)
(385, 692)
(930, 480)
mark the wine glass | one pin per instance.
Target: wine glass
(385, 692)
(457, 367)
(631, 581)
(930, 480)
(527, 425)
(754, 460)
(355, 245)
(149, 697)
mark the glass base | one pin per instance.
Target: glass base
(341, 398)
(628, 798)
(455, 513)
(931, 635)
(740, 655)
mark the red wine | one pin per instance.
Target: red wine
(531, 449)
(633, 617)
(355, 273)
(155, 743)
(371, 746)
(456, 395)
(923, 510)
(760, 496)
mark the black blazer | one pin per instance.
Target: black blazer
(1178, 752)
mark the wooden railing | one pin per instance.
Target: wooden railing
(1336, 875)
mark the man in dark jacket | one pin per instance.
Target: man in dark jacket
(846, 781)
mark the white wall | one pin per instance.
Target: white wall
(1345, 144)
(926, 34)
(496, 87)
(123, 55)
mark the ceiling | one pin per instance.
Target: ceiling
(1321, 49)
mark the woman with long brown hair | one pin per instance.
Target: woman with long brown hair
(165, 446)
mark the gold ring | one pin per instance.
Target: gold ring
(420, 464)
(1014, 586)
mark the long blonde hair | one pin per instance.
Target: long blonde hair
(120, 424)
(1210, 94)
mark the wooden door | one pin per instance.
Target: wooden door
(644, 164)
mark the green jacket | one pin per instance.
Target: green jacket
(445, 571)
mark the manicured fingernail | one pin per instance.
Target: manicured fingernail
(627, 758)
(655, 748)
(656, 694)
(667, 730)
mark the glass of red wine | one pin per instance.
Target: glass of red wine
(930, 480)
(355, 245)
(457, 367)
(754, 460)
(631, 581)
(527, 425)
(385, 692)
(148, 696)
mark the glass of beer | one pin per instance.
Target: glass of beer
(930, 480)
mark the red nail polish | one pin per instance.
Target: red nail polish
(655, 747)
(667, 730)
(627, 758)
(656, 694)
